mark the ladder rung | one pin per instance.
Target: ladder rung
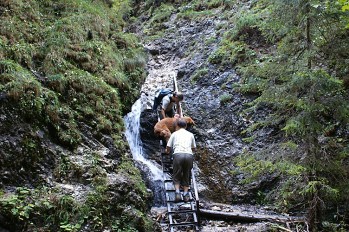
(182, 211)
(170, 190)
(183, 224)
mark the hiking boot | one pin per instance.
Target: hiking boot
(178, 197)
(186, 197)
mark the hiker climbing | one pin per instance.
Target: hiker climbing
(182, 143)
(167, 103)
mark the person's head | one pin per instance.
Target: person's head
(178, 96)
(182, 123)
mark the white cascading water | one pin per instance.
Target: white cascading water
(158, 77)
(153, 173)
(132, 122)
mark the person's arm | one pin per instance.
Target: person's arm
(193, 144)
(169, 144)
(164, 104)
(162, 112)
(179, 109)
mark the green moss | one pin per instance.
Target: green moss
(249, 139)
(66, 58)
(200, 73)
(199, 9)
(255, 166)
(225, 98)
(231, 53)
(210, 41)
(159, 16)
(127, 167)
(8, 67)
(119, 141)
(190, 14)
(62, 212)
(244, 22)
(64, 64)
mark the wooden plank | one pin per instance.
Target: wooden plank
(246, 217)
(184, 224)
(182, 211)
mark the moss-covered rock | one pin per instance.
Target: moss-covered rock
(68, 73)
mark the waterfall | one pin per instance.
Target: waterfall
(154, 175)
(132, 130)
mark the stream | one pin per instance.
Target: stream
(150, 170)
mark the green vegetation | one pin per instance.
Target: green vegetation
(83, 65)
(63, 213)
(159, 12)
(225, 98)
(199, 74)
(306, 93)
(67, 69)
(161, 15)
(231, 53)
(68, 65)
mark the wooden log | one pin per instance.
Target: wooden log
(212, 214)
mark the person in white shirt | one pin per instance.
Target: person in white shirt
(182, 143)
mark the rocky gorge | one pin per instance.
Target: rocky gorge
(266, 83)
(180, 54)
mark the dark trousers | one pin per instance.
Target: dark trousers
(182, 165)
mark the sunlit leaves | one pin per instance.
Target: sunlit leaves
(344, 4)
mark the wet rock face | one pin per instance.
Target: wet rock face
(151, 145)
(29, 157)
(26, 156)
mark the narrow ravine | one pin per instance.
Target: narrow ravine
(216, 129)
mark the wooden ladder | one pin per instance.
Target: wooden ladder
(180, 214)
